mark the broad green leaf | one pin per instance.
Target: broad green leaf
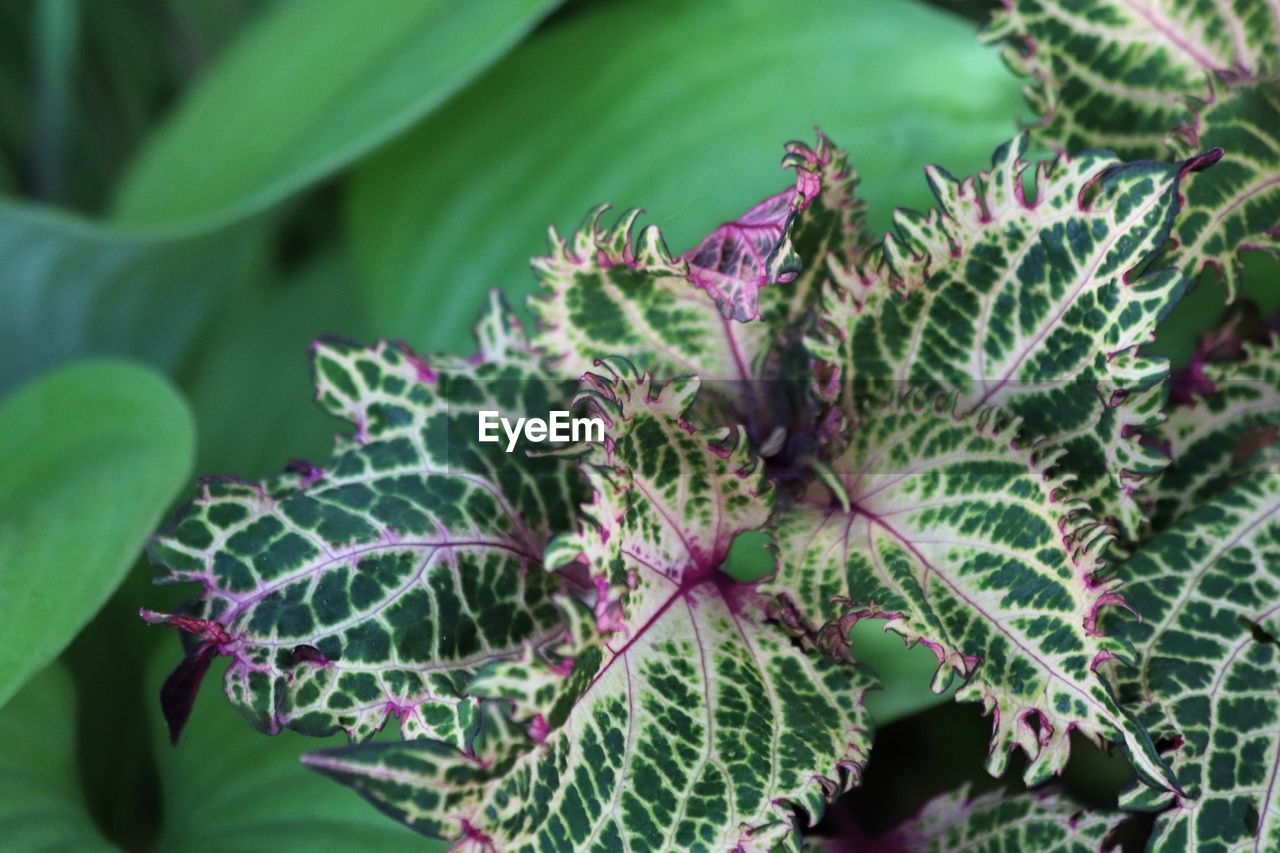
(1045, 821)
(70, 288)
(1035, 301)
(372, 587)
(944, 522)
(1216, 438)
(257, 129)
(82, 84)
(670, 118)
(94, 453)
(41, 804)
(1235, 206)
(1208, 590)
(229, 788)
(1121, 74)
(687, 721)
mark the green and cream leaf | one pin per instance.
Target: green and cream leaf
(1235, 206)
(1035, 302)
(1208, 590)
(1163, 78)
(692, 722)
(719, 310)
(374, 586)
(1217, 438)
(943, 522)
(1122, 74)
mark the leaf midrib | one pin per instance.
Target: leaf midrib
(1197, 53)
(681, 592)
(1015, 639)
(241, 605)
(1086, 280)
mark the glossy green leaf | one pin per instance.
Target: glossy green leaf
(1045, 821)
(1208, 677)
(69, 287)
(41, 804)
(93, 454)
(372, 587)
(229, 788)
(686, 720)
(669, 117)
(257, 129)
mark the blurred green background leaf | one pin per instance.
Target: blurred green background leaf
(70, 287)
(252, 400)
(252, 392)
(93, 454)
(41, 804)
(311, 87)
(227, 788)
(83, 83)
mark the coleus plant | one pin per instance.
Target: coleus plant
(1159, 78)
(955, 429)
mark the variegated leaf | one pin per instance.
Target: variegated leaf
(374, 586)
(1235, 206)
(1036, 303)
(827, 234)
(1044, 821)
(1121, 74)
(693, 723)
(1208, 590)
(1154, 78)
(608, 293)
(943, 522)
(1215, 438)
